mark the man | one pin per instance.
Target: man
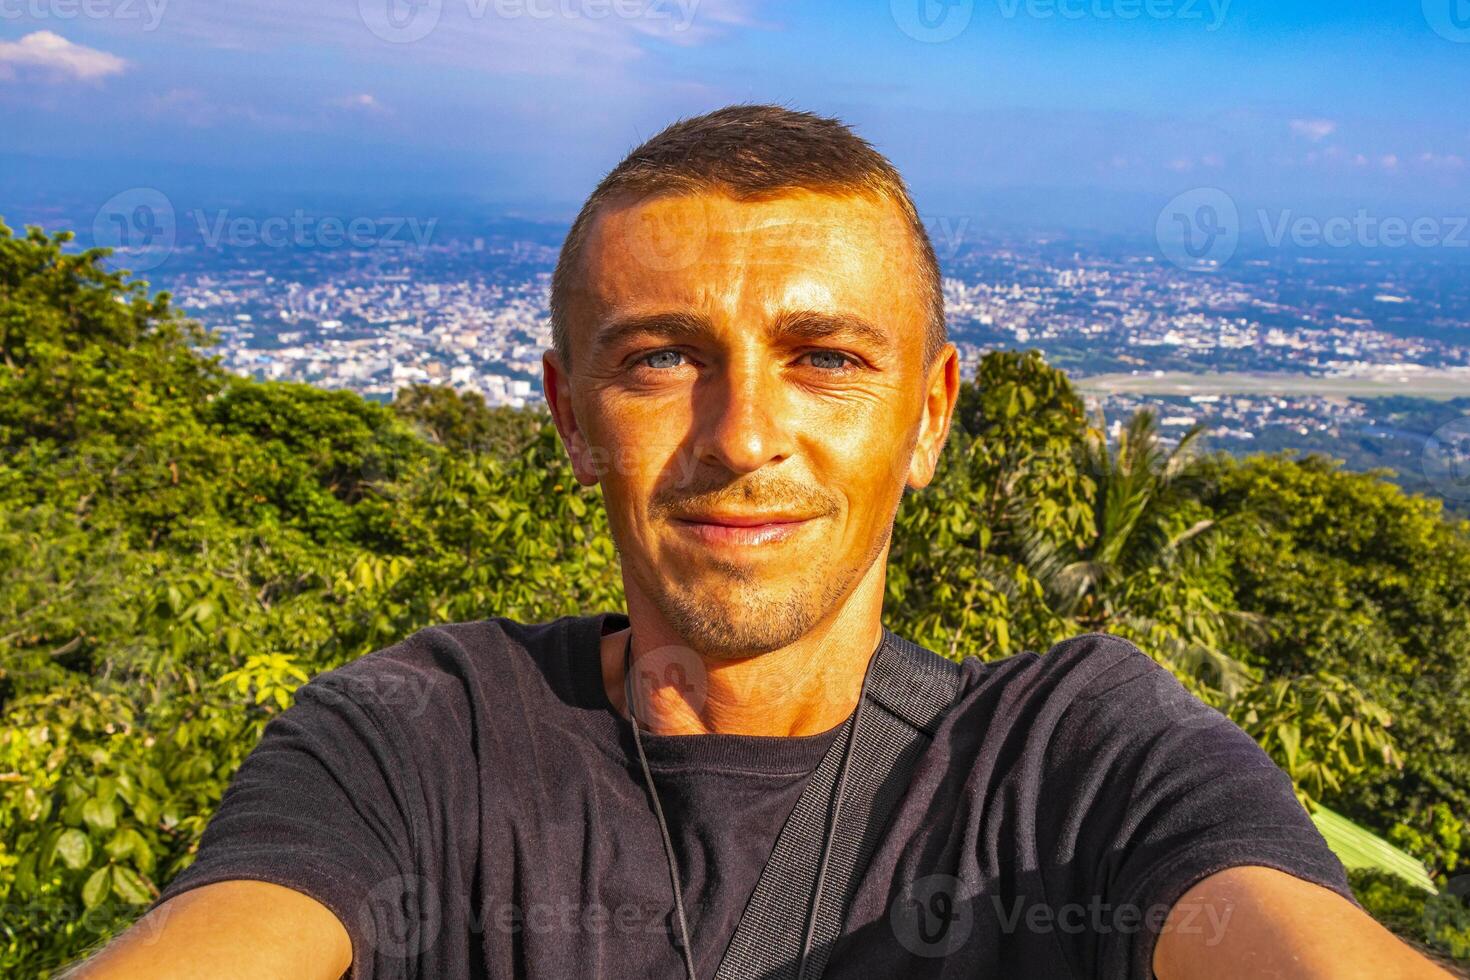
(750, 358)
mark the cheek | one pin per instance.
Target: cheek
(634, 445)
(867, 453)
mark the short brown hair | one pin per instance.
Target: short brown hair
(750, 152)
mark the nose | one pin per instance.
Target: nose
(741, 418)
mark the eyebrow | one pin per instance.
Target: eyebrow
(789, 326)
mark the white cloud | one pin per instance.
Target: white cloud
(192, 107)
(361, 102)
(566, 38)
(54, 54)
(1442, 161)
(1315, 130)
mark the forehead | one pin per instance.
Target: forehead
(723, 257)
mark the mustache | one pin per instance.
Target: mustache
(766, 494)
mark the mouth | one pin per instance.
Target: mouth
(742, 530)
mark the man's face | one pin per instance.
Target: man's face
(738, 362)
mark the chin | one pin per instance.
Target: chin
(730, 620)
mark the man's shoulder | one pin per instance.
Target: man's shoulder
(1094, 685)
(484, 641)
(1084, 666)
(446, 665)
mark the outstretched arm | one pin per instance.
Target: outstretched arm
(228, 929)
(1250, 921)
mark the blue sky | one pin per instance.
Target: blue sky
(988, 106)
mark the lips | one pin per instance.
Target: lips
(743, 520)
(741, 529)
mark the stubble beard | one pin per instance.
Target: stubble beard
(742, 617)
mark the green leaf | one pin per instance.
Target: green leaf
(100, 814)
(130, 886)
(74, 849)
(125, 842)
(97, 887)
(1291, 743)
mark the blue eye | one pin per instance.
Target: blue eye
(661, 358)
(842, 360)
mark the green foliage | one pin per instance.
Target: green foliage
(1439, 923)
(180, 549)
(461, 421)
(1322, 730)
(1367, 583)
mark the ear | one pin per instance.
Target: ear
(556, 383)
(941, 393)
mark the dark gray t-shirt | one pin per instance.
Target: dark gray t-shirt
(469, 804)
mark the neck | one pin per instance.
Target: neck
(804, 688)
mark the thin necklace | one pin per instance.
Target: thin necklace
(658, 810)
(663, 825)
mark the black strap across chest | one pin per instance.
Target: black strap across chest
(907, 690)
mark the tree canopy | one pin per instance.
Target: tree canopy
(181, 548)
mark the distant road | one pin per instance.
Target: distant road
(1440, 384)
